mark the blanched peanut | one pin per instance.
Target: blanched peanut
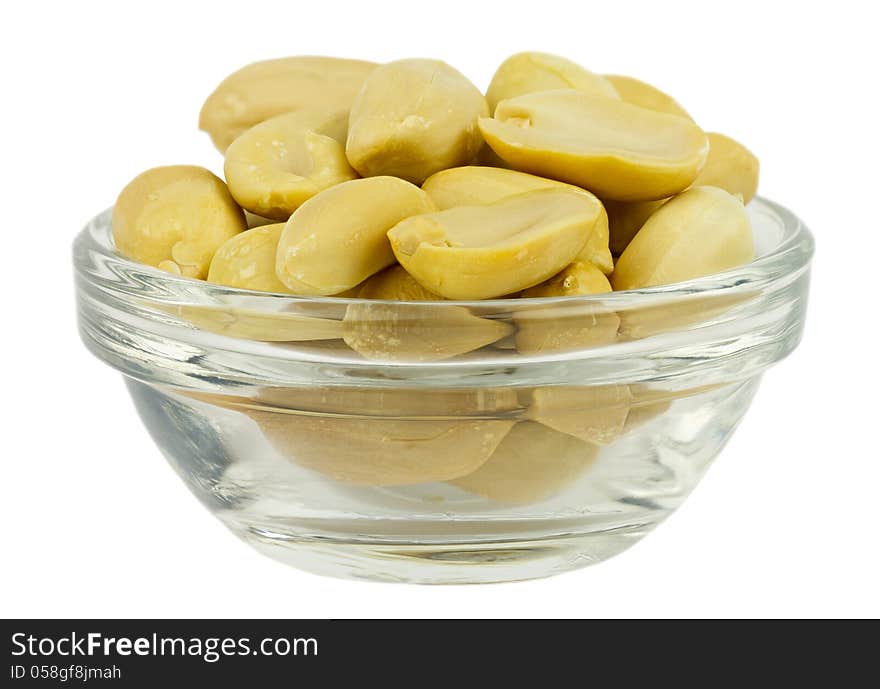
(475, 185)
(247, 260)
(277, 165)
(640, 414)
(638, 322)
(395, 284)
(526, 224)
(595, 414)
(532, 463)
(729, 166)
(578, 278)
(248, 324)
(265, 89)
(480, 252)
(532, 71)
(566, 326)
(337, 239)
(646, 96)
(489, 158)
(649, 402)
(254, 220)
(351, 293)
(383, 452)
(702, 231)
(597, 250)
(413, 118)
(414, 333)
(175, 218)
(379, 402)
(615, 150)
(625, 218)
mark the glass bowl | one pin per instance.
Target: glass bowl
(444, 442)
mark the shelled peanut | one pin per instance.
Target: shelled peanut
(403, 182)
(366, 197)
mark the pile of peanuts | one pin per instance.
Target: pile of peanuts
(403, 181)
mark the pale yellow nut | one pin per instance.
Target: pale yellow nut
(254, 220)
(247, 260)
(395, 284)
(679, 313)
(486, 156)
(249, 324)
(395, 332)
(646, 96)
(566, 326)
(532, 463)
(337, 239)
(175, 218)
(729, 166)
(595, 414)
(625, 218)
(597, 250)
(641, 414)
(702, 231)
(413, 118)
(576, 279)
(377, 436)
(650, 402)
(391, 403)
(505, 344)
(614, 149)
(382, 452)
(349, 293)
(277, 165)
(531, 71)
(475, 185)
(480, 252)
(264, 89)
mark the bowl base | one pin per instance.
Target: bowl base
(445, 563)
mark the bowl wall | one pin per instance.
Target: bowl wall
(488, 491)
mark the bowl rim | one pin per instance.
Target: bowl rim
(146, 323)
(793, 253)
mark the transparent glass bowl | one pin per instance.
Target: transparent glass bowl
(580, 427)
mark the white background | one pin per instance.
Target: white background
(94, 523)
